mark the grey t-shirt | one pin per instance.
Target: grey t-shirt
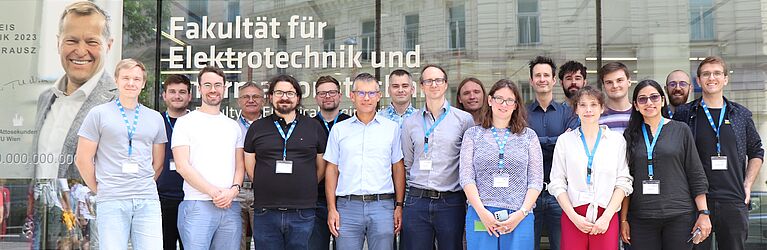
(105, 125)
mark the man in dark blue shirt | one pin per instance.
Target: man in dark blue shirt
(549, 119)
(176, 94)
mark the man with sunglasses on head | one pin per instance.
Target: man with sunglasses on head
(283, 157)
(731, 152)
(678, 88)
(328, 97)
(431, 145)
(549, 119)
(251, 101)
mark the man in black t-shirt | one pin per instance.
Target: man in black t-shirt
(328, 98)
(283, 157)
(730, 150)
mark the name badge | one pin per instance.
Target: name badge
(425, 164)
(501, 181)
(651, 187)
(130, 167)
(172, 165)
(719, 162)
(586, 196)
(284, 167)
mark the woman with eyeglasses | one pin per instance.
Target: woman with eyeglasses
(501, 172)
(669, 179)
(590, 177)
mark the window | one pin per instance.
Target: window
(527, 19)
(457, 24)
(329, 39)
(282, 46)
(701, 20)
(368, 39)
(233, 9)
(411, 32)
(197, 9)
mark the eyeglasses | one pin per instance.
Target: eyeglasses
(208, 85)
(280, 93)
(500, 100)
(252, 97)
(674, 84)
(437, 81)
(716, 74)
(643, 99)
(329, 93)
(362, 94)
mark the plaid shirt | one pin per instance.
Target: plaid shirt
(391, 114)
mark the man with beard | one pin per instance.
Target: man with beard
(471, 97)
(176, 94)
(328, 98)
(572, 75)
(401, 89)
(207, 148)
(678, 88)
(549, 119)
(284, 159)
(250, 100)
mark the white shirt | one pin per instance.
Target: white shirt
(212, 141)
(364, 155)
(609, 170)
(59, 119)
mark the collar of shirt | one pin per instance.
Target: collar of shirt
(553, 104)
(60, 88)
(425, 111)
(602, 127)
(391, 111)
(282, 122)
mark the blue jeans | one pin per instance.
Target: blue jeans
(520, 238)
(426, 219)
(320, 239)
(137, 219)
(374, 219)
(202, 225)
(547, 212)
(277, 229)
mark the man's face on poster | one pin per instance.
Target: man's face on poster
(82, 46)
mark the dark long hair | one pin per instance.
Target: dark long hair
(518, 120)
(634, 129)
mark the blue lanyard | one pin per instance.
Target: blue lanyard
(285, 137)
(167, 118)
(501, 145)
(716, 128)
(327, 126)
(651, 147)
(590, 154)
(427, 133)
(131, 129)
(244, 122)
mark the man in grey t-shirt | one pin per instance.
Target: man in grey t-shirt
(119, 155)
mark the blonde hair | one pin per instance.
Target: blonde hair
(85, 8)
(129, 63)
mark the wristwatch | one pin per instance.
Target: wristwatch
(236, 185)
(399, 204)
(524, 212)
(704, 211)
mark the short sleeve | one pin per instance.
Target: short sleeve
(181, 135)
(396, 149)
(90, 126)
(332, 149)
(160, 136)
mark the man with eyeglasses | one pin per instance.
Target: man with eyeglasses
(731, 152)
(328, 98)
(678, 88)
(283, 157)
(401, 89)
(616, 81)
(549, 119)
(207, 149)
(251, 101)
(572, 75)
(431, 145)
(365, 174)
(176, 94)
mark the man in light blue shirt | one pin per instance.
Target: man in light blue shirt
(401, 89)
(431, 143)
(365, 172)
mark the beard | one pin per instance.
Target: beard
(570, 92)
(285, 109)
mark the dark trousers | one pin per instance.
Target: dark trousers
(320, 239)
(730, 222)
(169, 210)
(425, 220)
(656, 234)
(275, 229)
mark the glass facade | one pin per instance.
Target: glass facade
(486, 39)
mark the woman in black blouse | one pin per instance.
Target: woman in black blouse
(668, 205)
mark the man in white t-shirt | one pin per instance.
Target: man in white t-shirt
(207, 149)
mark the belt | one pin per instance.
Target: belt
(423, 193)
(369, 197)
(247, 185)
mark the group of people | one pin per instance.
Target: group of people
(585, 170)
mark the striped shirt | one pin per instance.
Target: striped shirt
(615, 120)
